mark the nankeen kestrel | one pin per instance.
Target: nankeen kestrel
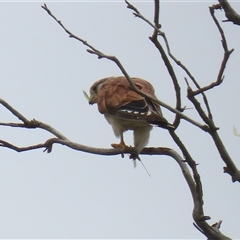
(126, 110)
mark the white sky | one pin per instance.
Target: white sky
(70, 194)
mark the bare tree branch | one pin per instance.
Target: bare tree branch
(230, 13)
(230, 166)
(28, 123)
(195, 187)
(153, 38)
(136, 13)
(226, 56)
(61, 139)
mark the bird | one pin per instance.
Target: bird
(125, 109)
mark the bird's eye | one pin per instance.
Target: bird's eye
(94, 89)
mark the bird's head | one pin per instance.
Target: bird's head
(93, 95)
(94, 91)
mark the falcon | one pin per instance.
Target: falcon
(124, 109)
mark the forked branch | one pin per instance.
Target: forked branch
(226, 56)
(230, 13)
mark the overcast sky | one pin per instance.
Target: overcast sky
(70, 194)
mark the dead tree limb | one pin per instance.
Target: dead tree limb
(230, 13)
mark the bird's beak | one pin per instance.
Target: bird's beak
(92, 99)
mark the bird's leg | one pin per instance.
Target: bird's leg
(120, 145)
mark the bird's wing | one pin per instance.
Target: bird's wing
(116, 98)
(115, 94)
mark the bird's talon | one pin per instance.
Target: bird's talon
(120, 145)
(134, 156)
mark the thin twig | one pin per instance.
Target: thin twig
(226, 55)
(230, 13)
(29, 124)
(167, 63)
(136, 13)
